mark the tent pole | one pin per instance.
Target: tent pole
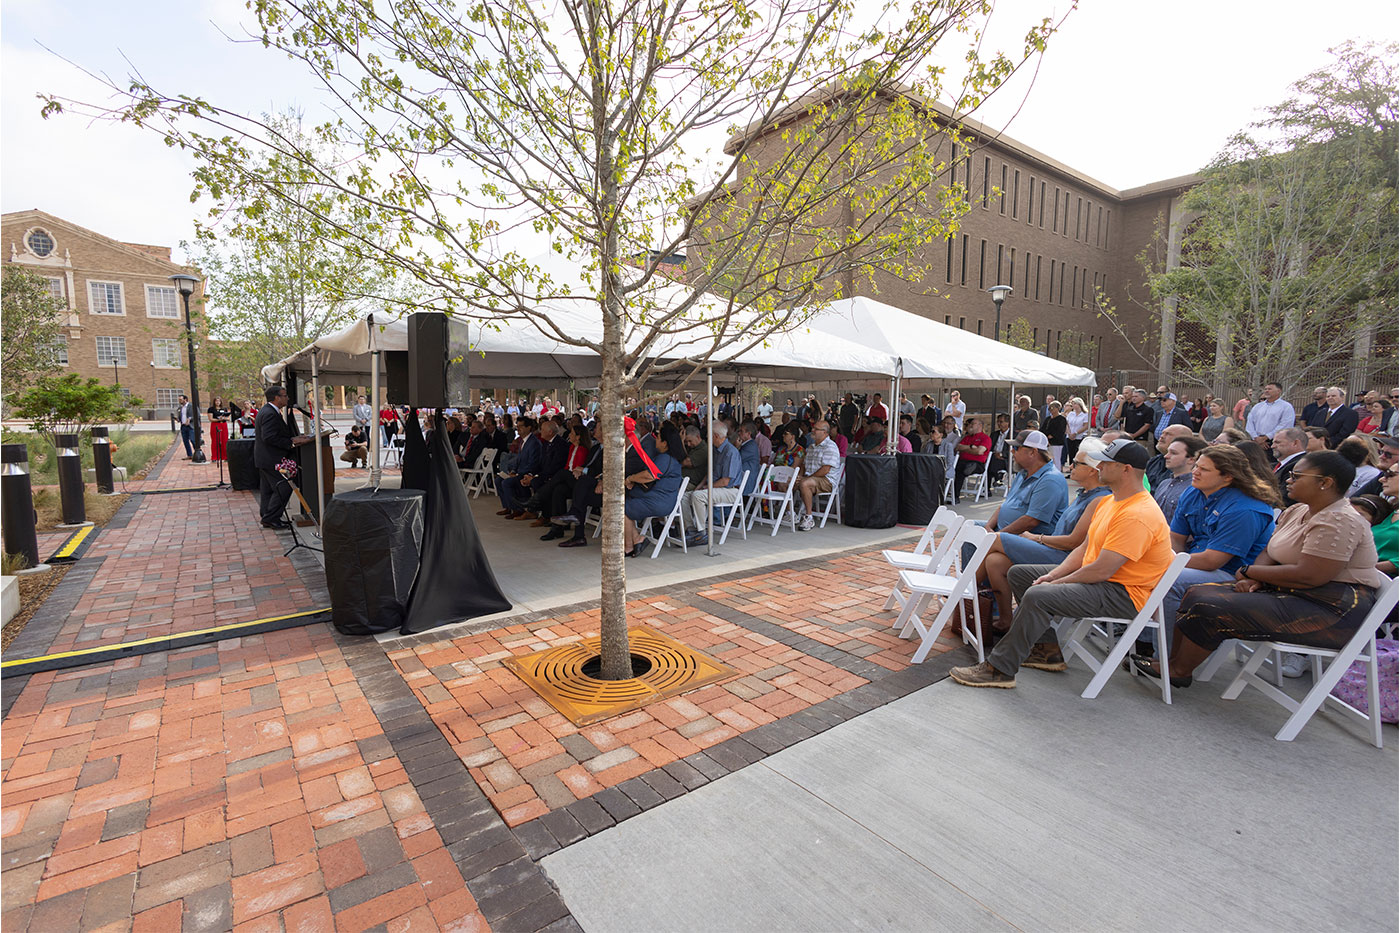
(892, 446)
(375, 472)
(710, 460)
(320, 466)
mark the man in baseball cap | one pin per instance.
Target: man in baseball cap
(1111, 574)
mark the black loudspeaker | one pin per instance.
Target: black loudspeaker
(396, 376)
(438, 350)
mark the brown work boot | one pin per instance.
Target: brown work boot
(525, 515)
(982, 675)
(1045, 657)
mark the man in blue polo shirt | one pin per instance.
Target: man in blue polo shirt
(728, 470)
(1219, 521)
(1038, 494)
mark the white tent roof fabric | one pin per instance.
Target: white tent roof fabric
(848, 340)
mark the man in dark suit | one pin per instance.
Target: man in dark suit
(514, 486)
(1289, 445)
(273, 440)
(1336, 418)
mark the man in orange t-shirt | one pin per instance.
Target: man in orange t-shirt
(1111, 574)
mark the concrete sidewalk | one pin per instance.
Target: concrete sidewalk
(1029, 809)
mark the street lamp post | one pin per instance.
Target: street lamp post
(185, 284)
(116, 376)
(998, 293)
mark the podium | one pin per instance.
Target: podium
(305, 456)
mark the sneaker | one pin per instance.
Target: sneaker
(1294, 665)
(568, 518)
(806, 523)
(982, 675)
(696, 539)
(1045, 658)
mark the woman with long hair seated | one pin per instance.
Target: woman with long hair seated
(1313, 585)
(647, 495)
(1030, 548)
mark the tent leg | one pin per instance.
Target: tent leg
(320, 466)
(375, 471)
(710, 481)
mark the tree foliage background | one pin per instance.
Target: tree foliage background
(31, 326)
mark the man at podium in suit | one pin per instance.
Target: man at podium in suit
(273, 441)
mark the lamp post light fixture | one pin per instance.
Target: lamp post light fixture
(186, 285)
(998, 293)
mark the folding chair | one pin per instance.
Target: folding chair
(951, 472)
(1362, 646)
(481, 478)
(731, 509)
(676, 515)
(393, 449)
(924, 585)
(833, 498)
(926, 555)
(1074, 635)
(768, 498)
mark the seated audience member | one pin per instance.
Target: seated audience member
(550, 497)
(750, 457)
(1380, 513)
(1038, 494)
(1024, 414)
(1337, 418)
(1031, 548)
(1215, 421)
(695, 463)
(356, 447)
(1180, 460)
(973, 449)
(522, 461)
(1313, 585)
(728, 471)
(1289, 445)
(648, 496)
(997, 460)
(818, 467)
(1224, 521)
(1124, 554)
(908, 435)
(1386, 455)
(1157, 472)
(1377, 417)
(945, 445)
(1317, 439)
(1358, 452)
(787, 452)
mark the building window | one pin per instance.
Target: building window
(967, 176)
(57, 291)
(979, 327)
(987, 182)
(111, 351)
(1037, 277)
(1003, 193)
(165, 351)
(60, 351)
(982, 266)
(39, 242)
(1098, 231)
(962, 323)
(1062, 283)
(167, 398)
(162, 301)
(948, 319)
(1078, 213)
(1035, 336)
(1025, 276)
(1074, 288)
(964, 260)
(950, 260)
(1000, 257)
(1055, 217)
(1010, 271)
(105, 298)
(1042, 204)
(1065, 231)
(1015, 195)
(1107, 218)
(1050, 293)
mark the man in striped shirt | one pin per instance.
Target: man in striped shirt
(822, 460)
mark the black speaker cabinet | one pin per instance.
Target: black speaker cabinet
(396, 376)
(438, 350)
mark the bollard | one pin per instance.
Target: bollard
(70, 479)
(17, 504)
(102, 461)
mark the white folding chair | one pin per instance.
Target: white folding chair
(944, 520)
(1362, 646)
(393, 448)
(731, 509)
(1074, 635)
(481, 477)
(675, 517)
(923, 586)
(833, 497)
(779, 503)
(950, 473)
(983, 492)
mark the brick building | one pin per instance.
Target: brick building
(1056, 235)
(125, 321)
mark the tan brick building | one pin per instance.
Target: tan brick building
(125, 322)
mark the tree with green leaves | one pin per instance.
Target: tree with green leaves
(31, 326)
(1287, 246)
(70, 404)
(517, 158)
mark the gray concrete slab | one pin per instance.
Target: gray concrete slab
(1030, 807)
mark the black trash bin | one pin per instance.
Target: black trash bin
(871, 492)
(372, 539)
(920, 487)
(241, 472)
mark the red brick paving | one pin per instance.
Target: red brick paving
(529, 759)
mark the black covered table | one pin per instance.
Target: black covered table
(870, 497)
(241, 472)
(371, 539)
(921, 481)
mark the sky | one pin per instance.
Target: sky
(1127, 93)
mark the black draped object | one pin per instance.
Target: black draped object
(415, 454)
(455, 582)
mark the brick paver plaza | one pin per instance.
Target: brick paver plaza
(305, 780)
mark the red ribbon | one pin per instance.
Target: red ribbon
(630, 427)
